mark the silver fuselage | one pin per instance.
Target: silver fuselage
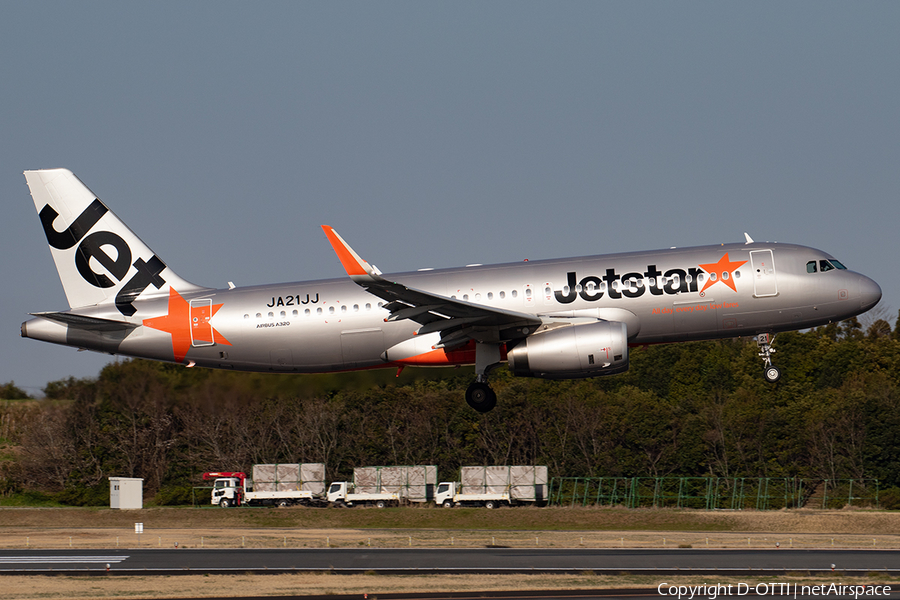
(332, 325)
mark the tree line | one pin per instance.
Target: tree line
(692, 409)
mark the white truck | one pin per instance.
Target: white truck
(232, 489)
(342, 493)
(448, 495)
(495, 486)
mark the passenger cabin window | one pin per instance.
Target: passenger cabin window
(811, 266)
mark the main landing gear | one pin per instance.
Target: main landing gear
(764, 341)
(481, 397)
(479, 394)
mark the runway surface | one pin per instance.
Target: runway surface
(423, 560)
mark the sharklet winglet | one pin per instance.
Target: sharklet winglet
(358, 269)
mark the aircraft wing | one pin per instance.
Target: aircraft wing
(457, 321)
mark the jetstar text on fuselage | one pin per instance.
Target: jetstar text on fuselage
(634, 284)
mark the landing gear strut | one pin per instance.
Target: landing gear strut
(479, 394)
(770, 372)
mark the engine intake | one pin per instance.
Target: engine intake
(573, 352)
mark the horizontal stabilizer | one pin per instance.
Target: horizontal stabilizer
(87, 323)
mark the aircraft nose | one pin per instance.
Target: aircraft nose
(869, 293)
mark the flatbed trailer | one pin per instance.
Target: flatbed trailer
(231, 489)
(448, 496)
(340, 494)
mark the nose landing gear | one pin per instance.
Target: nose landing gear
(764, 342)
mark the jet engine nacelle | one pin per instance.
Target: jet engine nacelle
(572, 352)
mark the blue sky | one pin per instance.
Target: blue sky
(441, 134)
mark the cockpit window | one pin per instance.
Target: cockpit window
(824, 265)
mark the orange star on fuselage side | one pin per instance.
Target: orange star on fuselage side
(717, 269)
(178, 323)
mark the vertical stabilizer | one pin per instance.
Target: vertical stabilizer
(99, 259)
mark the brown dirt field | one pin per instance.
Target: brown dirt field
(849, 521)
(198, 586)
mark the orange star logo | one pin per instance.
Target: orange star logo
(180, 323)
(721, 271)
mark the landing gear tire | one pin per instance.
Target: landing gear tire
(772, 373)
(481, 397)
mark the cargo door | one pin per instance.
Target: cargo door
(361, 347)
(281, 359)
(763, 264)
(695, 316)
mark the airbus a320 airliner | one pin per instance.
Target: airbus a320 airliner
(557, 319)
